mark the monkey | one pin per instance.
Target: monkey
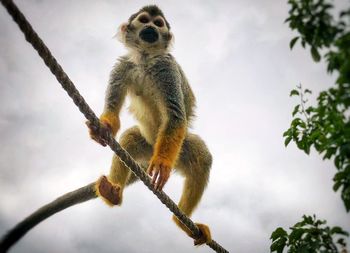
(162, 102)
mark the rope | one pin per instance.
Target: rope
(50, 61)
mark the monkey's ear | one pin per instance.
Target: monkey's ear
(171, 40)
(123, 27)
(121, 32)
(169, 37)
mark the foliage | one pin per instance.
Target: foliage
(309, 236)
(326, 126)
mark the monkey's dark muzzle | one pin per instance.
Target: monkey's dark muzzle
(149, 34)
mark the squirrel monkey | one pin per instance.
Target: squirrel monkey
(162, 103)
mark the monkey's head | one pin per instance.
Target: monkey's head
(146, 31)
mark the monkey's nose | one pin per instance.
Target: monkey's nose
(149, 34)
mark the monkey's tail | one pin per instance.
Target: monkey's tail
(67, 200)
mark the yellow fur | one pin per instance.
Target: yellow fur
(112, 120)
(204, 238)
(167, 147)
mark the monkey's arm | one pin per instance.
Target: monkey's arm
(115, 96)
(173, 129)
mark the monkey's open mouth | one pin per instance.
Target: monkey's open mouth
(149, 34)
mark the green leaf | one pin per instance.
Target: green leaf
(304, 249)
(287, 20)
(327, 6)
(296, 122)
(341, 241)
(279, 232)
(307, 149)
(278, 246)
(337, 161)
(287, 133)
(314, 135)
(292, 42)
(315, 54)
(339, 230)
(307, 91)
(287, 141)
(294, 93)
(309, 110)
(339, 176)
(308, 219)
(302, 124)
(331, 151)
(300, 223)
(337, 185)
(296, 110)
(296, 234)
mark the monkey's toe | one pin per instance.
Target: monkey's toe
(108, 191)
(205, 235)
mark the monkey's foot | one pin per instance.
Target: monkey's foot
(108, 191)
(205, 235)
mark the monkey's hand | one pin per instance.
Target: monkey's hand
(101, 134)
(205, 235)
(159, 170)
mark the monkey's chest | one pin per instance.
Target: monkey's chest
(142, 84)
(144, 105)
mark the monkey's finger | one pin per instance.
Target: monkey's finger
(103, 143)
(99, 140)
(88, 124)
(150, 170)
(163, 178)
(155, 176)
(159, 182)
(155, 179)
(94, 137)
(199, 241)
(164, 182)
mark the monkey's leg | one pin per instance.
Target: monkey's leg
(144, 165)
(194, 163)
(111, 188)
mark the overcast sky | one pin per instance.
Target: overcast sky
(237, 58)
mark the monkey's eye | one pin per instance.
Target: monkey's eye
(158, 22)
(144, 19)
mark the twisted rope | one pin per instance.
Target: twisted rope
(50, 61)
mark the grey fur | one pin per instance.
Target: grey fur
(153, 10)
(166, 77)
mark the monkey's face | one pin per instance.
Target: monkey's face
(146, 33)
